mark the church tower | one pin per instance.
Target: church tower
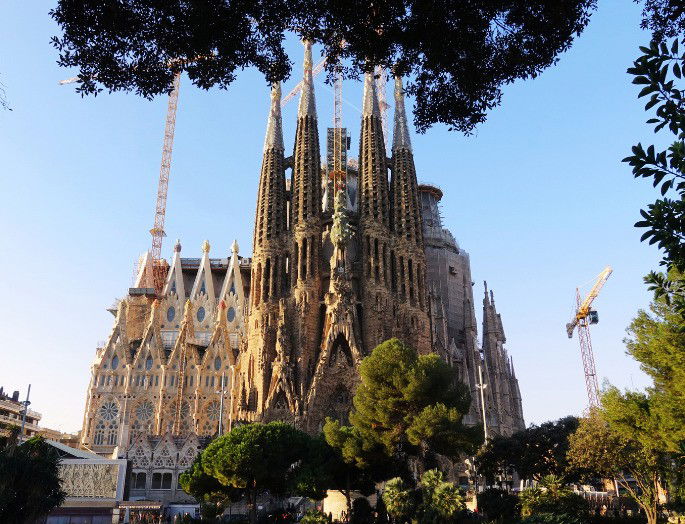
(408, 257)
(374, 222)
(269, 263)
(305, 223)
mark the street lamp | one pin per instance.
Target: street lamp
(482, 387)
(23, 416)
(221, 393)
(230, 413)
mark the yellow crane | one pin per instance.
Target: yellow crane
(583, 317)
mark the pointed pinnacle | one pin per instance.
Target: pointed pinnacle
(400, 138)
(370, 98)
(274, 126)
(307, 105)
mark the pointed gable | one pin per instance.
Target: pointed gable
(174, 283)
(204, 284)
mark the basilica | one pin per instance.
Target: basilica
(346, 253)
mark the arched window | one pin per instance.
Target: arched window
(107, 427)
(139, 479)
(217, 363)
(115, 362)
(170, 313)
(230, 314)
(200, 314)
(99, 436)
(148, 362)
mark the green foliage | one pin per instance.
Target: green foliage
(434, 501)
(29, 479)
(261, 457)
(458, 54)
(499, 504)
(553, 518)
(409, 404)
(657, 341)
(665, 18)
(440, 500)
(534, 453)
(362, 513)
(659, 73)
(398, 499)
(214, 497)
(608, 450)
(636, 519)
(314, 517)
(552, 497)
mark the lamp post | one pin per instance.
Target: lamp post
(482, 387)
(222, 393)
(23, 416)
(230, 413)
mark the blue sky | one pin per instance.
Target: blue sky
(538, 197)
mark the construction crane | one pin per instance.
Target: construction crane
(315, 71)
(583, 317)
(158, 271)
(155, 272)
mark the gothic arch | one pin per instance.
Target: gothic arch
(341, 350)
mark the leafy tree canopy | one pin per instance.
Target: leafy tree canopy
(434, 501)
(610, 452)
(30, 486)
(665, 18)
(270, 457)
(457, 54)
(657, 341)
(409, 404)
(553, 497)
(534, 452)
(207, 489)
(499, 504)
(659, 71)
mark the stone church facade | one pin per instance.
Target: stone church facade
(345, 256)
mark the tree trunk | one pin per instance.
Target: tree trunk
(252, 500)
(348, 498)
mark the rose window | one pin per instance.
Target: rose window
(109, 410)
(145, 410)
(213, 410)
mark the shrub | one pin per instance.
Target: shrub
(553, 498)
(361, 512)
(499, 504)
(553, 518)
(314, 517)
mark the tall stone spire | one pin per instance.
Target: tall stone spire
(400, 138)
(374, 198)
(307, 105)
(306, 186)
(406, 207)
(274, 126)
(370, 104)
(270, 218)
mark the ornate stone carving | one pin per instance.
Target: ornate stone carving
(84, 480)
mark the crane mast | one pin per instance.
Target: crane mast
(582, 319)
(158, 271)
